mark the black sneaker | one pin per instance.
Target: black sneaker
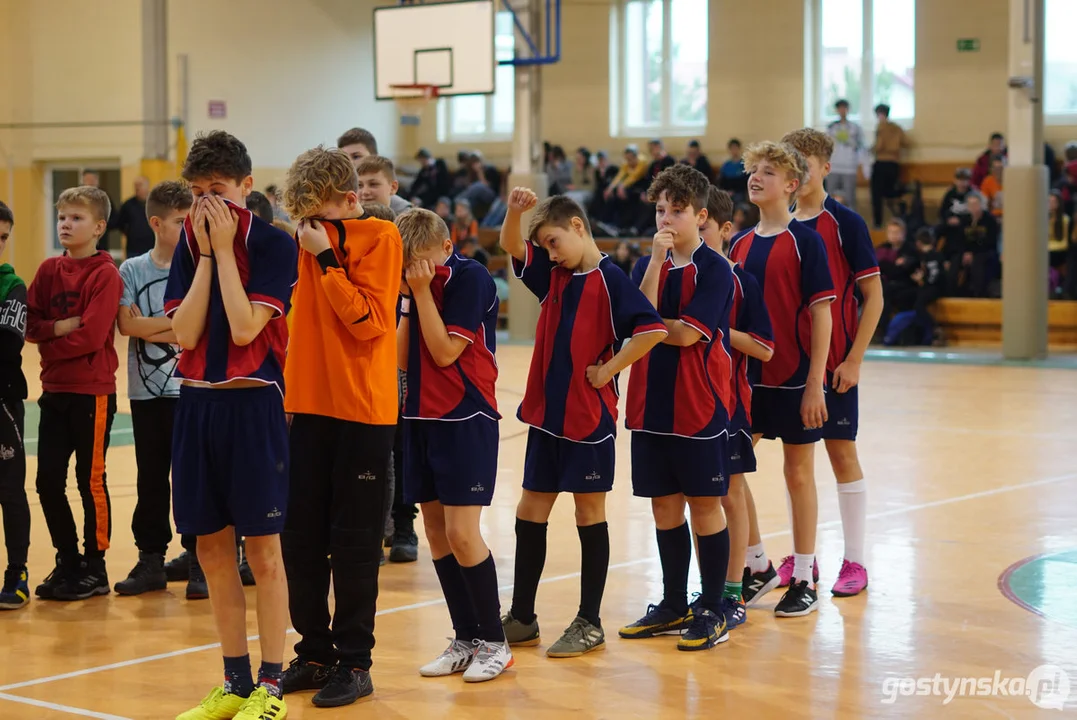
(707, 630)
(197, 588)
(302, 675)
(147, 575)
(90, 580)
(55, 580)
(178, 568)
(659, 620)
(245, 572)
(756, 585)
(16, 591)
(344, 687)
(405, 546)
(799, 600)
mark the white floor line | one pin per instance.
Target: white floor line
(504, 588)
(61, 708)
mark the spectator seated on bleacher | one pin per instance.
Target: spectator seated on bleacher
(1058, 242)
(912, 322)
(972, 262)
(732, 177)
(469, 247)
(581, 181)
(605, 172)
(996, 150)
(695, 158)
(643, 222)
(558, 171)
(1067, 186)
(625, 256)
(953, 209)
(464, 226)
(991, 188)
(443, 209)
(461, 177)
(621, 202)
(483, 185)
(432, 182)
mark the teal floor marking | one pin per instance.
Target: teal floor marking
(990, 358)
(122, 434)
(1045, 585)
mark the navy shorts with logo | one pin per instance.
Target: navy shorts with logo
(230, 461)
(670, 464)
(741, 454)
(843, 414)
(453, 462)
(776, 416)
(553, 464)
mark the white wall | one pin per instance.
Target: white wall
(293, 74)
(69, 60)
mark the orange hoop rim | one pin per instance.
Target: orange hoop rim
(414, 91)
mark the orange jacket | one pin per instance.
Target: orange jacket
(342, 351)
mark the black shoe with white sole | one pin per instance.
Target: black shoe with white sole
(799, 600)
(757, 584)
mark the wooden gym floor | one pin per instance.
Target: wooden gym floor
(970, 471)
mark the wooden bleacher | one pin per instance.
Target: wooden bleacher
(978, 322)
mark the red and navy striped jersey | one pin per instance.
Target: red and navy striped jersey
(792, 272)
(851, 256)
(268, 268)
(687, 391)
(466, 298)
(749, 315)
(584, 319)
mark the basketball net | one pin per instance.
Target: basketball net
(412, 100)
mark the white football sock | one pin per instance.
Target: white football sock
(853, 504)
(802, 567)
(756, 558)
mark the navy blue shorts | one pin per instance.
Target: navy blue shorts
(553, 464)
(741, 454)
(670, 464)
(843, 414)
(230, 461)
(454, 463)
(776, 416)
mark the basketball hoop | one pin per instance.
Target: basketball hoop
(411, 100)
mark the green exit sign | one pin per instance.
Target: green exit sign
(968, 44)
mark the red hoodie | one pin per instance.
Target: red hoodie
(83, 361)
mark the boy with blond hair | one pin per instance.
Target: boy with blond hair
(789, 261)
(853, 270)
(447, 346)
(593, 324)
(359, 144)
(341, 392)
(228, 293)
(71, 316)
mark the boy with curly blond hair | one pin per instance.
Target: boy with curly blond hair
(340, 379)
(788, 259)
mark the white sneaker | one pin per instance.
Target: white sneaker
(456, 658)
(491, 659)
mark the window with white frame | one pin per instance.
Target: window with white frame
(485, 117)
(659, 75)
(864, 51)
(1060, 63)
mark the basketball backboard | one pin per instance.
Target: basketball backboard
(446, 44)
